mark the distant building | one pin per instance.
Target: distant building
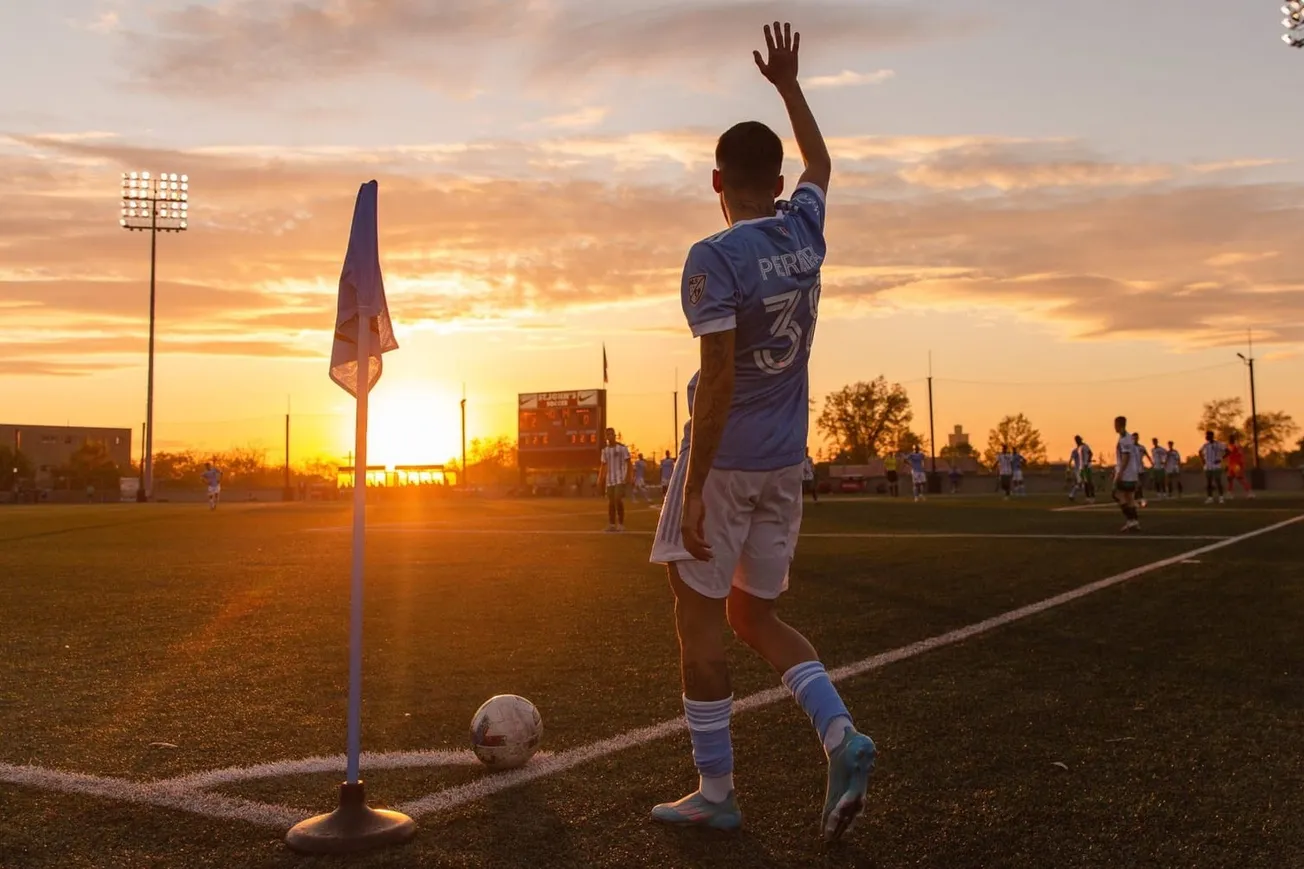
(50, 446)
(958, 438)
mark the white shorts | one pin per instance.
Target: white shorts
(215, 490)
(919, 478)
(752, 522)
(1018, 476)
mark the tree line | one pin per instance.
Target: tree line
(872, 419)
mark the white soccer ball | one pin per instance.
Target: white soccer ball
(505, 731)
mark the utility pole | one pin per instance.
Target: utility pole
(1257, 477)
(463, 435)
(674, 436)
(288, 494)
(932, 433)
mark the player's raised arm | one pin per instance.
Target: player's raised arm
(780, 67)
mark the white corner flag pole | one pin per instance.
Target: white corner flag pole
(355, 826)
(359, 553)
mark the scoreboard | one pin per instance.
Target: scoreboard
(561, 431)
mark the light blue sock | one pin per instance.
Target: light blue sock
(811, 687)
(708, 725)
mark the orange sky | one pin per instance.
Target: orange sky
(1066, 261)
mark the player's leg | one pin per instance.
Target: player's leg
(700, 589)
(611, 508)
(620, 508)
(760, 578)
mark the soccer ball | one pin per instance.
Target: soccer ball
(505, 731)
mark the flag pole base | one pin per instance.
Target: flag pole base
(352, 827)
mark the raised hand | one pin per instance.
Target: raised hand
(781, 65)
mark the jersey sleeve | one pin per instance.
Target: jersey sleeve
(709, 291)
(806, 209)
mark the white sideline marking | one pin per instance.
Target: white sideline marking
(153, 793)
(830, 535)
(186, 792)
(371, 760)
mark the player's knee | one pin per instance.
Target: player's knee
(749, 617)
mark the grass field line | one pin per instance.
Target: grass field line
(824, 535)
(1153, 507)
(479, 789)
(153, 793)
(186, 792)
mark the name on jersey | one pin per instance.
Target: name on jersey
(788, 264)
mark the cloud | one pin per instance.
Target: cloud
(848, 78)
(243, 47)
(470, 234)
(580, 119)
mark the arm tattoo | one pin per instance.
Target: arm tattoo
(711, 404)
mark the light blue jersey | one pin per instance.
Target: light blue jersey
(639, 470)
(667, 468)
(762, 278)
(916, 460)
(212, 476)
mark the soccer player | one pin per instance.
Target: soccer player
(808, 479)
(1158, 468)
(1005, 468)
(1017, 464)
(667, 468)
(213, 478)
(1127, 470)
(615, 473)
(750, 294)
(1173, 470)
(1081, 462)
(640, 479)
(1211, 453)
(1142, 456)
(956, 476)
(1236, 467)
(890, 468)
(918, 477)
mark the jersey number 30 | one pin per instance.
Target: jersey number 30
(786, 326)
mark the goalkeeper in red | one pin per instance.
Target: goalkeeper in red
(729, 527)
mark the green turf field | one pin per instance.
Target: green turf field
(1152, 722)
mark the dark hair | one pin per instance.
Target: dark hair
(750, 157)
(1120, 421)
(1208, 435)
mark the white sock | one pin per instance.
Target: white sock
(837, 728)
(716, 788)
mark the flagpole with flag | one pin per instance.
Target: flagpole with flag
(604, 363)
(363, 334)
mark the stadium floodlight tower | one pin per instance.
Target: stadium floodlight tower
(153, 204)
(1294, 24)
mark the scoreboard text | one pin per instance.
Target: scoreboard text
(561, 430)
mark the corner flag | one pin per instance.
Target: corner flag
(604, 363)
(362, 294)
(363, 333)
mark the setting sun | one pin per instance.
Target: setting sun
(410, 424)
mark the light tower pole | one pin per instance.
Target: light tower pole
(153, 204)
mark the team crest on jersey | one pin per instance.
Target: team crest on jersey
(696, 288)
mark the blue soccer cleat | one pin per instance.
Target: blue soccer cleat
(850, 766)
(696, 810)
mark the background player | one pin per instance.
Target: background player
(667, 468)
(615, 474)
(1236, 467)
(1081, 459)
(213, 478)
(918, 476)
(1127, 470)
(808, 479)
(640, 480)
(1173, 470)
(890, 469)
(731, 520)
(1142, 456)
(1005, 469)
(1158, 468)
(1017, 464)
(1211, 454)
